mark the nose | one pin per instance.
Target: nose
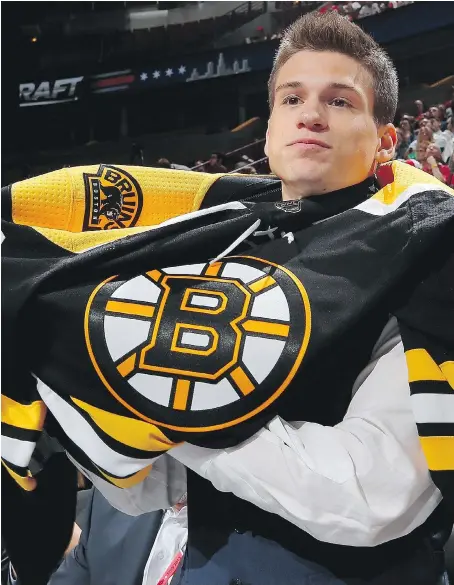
(312, 117)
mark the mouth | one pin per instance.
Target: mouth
(310, 143)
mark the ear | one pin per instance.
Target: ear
(267, 135)
(387, 139)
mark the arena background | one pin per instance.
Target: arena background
(123, 82)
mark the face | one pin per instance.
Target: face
(400, 136)
(433, 112)
(425, 133)
(423, 123)
(433, 150)
(213, 159)
(419, 105)
(421, 152)
(435, 124)
(322, 135)
(405, 125)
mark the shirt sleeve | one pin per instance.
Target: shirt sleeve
(362, 482)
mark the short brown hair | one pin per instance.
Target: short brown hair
(332, 32)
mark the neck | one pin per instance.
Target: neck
(294, 192)
(335, 202)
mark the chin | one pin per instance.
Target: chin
(302, 170)
(313, 174)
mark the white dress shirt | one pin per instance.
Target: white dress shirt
(362, 482)
(168, 548)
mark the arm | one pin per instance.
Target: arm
(360, 483)
(9, 576)
(438, 174)
(74, 570)
(428, 336)
(435, 169)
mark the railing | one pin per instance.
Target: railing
(254, 163)
(236, 150)
(250, 8)
(236, 18)
(245, 146)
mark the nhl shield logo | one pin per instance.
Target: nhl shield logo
(289, 206)
(199, 348)
(113, 199)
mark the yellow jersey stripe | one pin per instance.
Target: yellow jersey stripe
(448, 370)
(24, 416)
(131, 432)
(27, 483)
(422, 367)
(127, 482)
(439, 452)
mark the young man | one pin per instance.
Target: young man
(308, 467)
(333, 95)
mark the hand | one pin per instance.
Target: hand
(431, 160)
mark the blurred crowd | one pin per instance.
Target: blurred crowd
(357, 10)
(426, 140)
(351, 10)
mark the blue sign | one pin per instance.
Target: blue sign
(191, 68)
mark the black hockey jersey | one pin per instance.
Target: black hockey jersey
(136, 336)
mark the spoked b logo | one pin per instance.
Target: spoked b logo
(199, 347)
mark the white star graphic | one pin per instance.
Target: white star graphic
(143, 76)
(156, 74)
(182, 70)
(169, 72)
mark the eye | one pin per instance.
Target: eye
(291, 100)
(340, 103)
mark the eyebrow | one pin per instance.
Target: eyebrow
(289, 84)
(298, 85)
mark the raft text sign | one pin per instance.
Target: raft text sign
(49, 92)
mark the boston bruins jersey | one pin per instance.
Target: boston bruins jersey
(140, 314)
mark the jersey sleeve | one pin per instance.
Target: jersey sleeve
(103, 197)
(428, 335)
